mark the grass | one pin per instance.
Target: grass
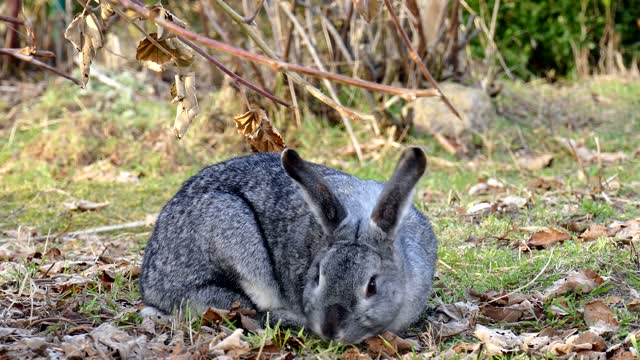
(65, 130)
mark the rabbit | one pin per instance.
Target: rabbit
(301, 243)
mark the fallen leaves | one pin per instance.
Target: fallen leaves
(497, 341)
(534, 162)
(85, 34)
(600, 317)
(257, 129)
(587, 155)
(546, 237)
(388, 344)
(581, 282)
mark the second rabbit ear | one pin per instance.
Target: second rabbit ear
(323, 203)
(397, 194)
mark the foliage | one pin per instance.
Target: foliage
(537, 37)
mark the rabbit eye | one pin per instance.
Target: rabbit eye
(371, 287)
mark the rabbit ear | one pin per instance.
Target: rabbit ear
(323, 203)
(397, 194)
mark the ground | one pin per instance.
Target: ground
(523, 212)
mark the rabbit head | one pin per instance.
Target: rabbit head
(355, 286)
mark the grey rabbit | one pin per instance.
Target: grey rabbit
(309, 245)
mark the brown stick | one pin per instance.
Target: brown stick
(16, 54)
(250, 19)
(11, 20)
(277, 65)
(233, 75)
(416, 59)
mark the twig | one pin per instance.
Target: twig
(233, 75)
(15, 53)
(11, 19)
(249, 20)
(327, 83)
(416, 58)
(408, 94)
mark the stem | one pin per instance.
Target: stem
(16, 54)
(416, 59)
(233, 75)
(278, 65)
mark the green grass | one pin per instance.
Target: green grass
(45, 159)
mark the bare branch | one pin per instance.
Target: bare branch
(416, 58)
(26, 58)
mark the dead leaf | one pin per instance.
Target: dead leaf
(514, 201)
(480, 207)
(354, 354)
(496, 341)
(85, 34)
(533, 162)
(634, 305)
(155, 59)
(581, 282)
(590, 156)
(106, 10)
(257, 128)
(53, 254)
(159, 11)
(546, 237)
(485, 186)
(594, 232)
(105, 171)
(85, 205)
(452, 319)
(368, 9)
(187, 101)
(233, 345)
(388, 344)
(628, 231)
(545, 184)
(600, 317)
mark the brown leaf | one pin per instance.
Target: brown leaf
(354, 354)
(545, 184)
(634, 305)
(53, 254)
(546, 237)
(628, 231)
(106, 10)
(535, 162)
(582, 282)
(233, 345)
(106, 279)
(594, 232)
(257, 128)
(388, 344)
(368, 9)
(600, 317)
(496, 341)
(187, 101)
(452, 319)
(85, 34)
(159, 11)
(154, 58)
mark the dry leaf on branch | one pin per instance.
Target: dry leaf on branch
(85, 34)
(257, 128)
(154, 58)
(600, 317)
(581, 282)
(368, 9)
(546, 237)
(159, 11)
(106, 10)
(187, 101)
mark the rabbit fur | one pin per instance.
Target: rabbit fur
(309, 245)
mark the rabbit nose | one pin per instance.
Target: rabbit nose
(334, 315)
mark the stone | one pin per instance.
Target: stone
(431, 115)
